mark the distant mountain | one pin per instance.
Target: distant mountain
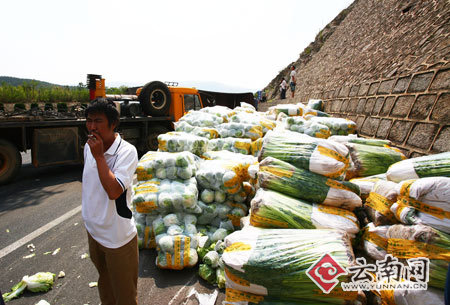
(14, 81)
(215, 86)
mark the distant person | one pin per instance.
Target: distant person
(293, 80)
(283, 88)
(264, 97)
(255, 103)
(109, 166)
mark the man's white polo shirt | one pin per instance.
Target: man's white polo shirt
(109, 222)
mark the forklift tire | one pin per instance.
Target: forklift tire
(152, 138)
(155, 99)
(10, 161)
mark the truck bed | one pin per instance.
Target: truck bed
(39, 121)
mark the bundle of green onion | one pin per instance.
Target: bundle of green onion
(273, 262)
(270, 209)
(285, 178)
(406, 242)
(371, 160)
(420, 167)
(374, 241)
(424, 201)
(319, 156)
(379, 202)
(366, 184)
(352, 138)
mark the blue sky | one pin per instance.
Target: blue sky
(237, 44)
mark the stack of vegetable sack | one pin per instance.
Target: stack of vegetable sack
(166, 185)
(301, 188)
(299, 118)
(217, 128)
(416, 195)
(222, 180)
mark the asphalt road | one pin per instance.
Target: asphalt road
(42, 207)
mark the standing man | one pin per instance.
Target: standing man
(109, 166)
(283, 88)
(293, 80)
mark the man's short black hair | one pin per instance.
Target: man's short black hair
(106, 107)
(293, 66)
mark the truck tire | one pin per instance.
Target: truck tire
(155, 99)
(152, 138)
(10, 161)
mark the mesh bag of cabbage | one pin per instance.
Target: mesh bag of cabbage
(206, 132)
(221, 111)
(289, 109)
(240, 130)
(165, 196)
(165, 165)
(223, 175)
(144, 227)
(176, 141)
(176, 241)
(338, 126)
(201, 119)
(235, 145)
(254, 119)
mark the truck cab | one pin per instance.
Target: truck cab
(184, 100)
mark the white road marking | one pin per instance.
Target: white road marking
(5, 251)
(182, 288)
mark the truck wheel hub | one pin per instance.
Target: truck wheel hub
(158, 98)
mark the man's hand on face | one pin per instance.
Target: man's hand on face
(95, 142)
